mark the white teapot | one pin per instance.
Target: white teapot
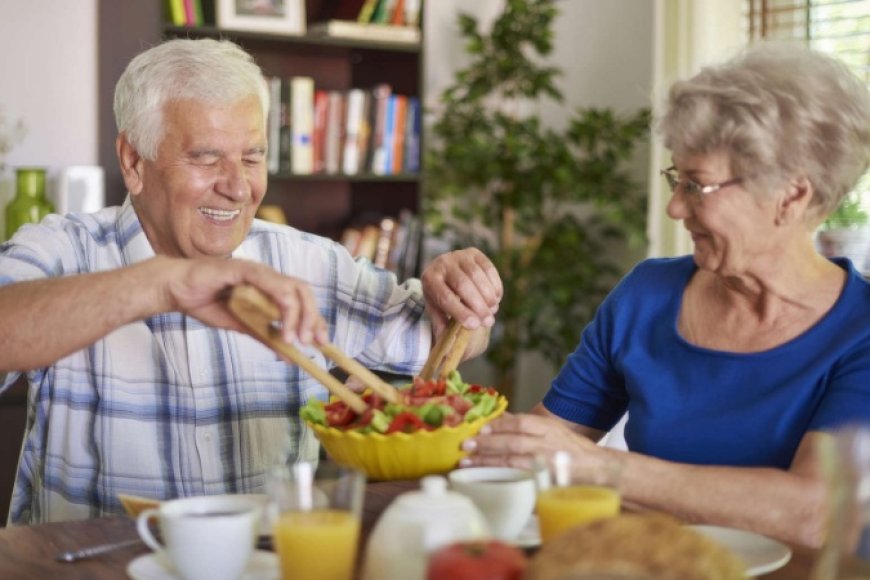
(414, 525)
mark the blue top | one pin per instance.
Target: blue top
(701, 406)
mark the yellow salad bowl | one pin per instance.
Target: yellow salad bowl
(402, 455)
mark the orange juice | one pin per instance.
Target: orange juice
(317, 545)
(561, 508)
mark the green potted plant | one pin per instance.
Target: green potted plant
(547, 205)
(846, 232)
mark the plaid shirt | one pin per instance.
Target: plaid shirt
(168, 407)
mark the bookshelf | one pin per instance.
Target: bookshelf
(321, 203)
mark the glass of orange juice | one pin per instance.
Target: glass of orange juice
(569, 502)
(316, 513)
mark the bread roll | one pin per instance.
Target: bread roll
(634, 547)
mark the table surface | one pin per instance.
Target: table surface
(29, 552)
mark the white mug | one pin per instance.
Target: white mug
(505, 496)
(205, 538)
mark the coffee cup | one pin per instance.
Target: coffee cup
(505, 496)
(204, 538)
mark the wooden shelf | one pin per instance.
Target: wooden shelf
(286, 39)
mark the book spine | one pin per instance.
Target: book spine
(189, 13)
(273, 158)
(353, 126)
(367, 11)
(321, 106)
(397, 18)
(334, 131)
(412, 136)
(401, 115)
(381, 14)
(386, 160)
(380, 97)
(176, 12)
(286, 136)
(302, 125)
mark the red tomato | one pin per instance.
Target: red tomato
(407, 422)
(477, 560)
(433, 388)
(481, 389)
(338, 414)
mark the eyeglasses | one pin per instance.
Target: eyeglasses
(694, 188)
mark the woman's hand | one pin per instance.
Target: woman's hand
(521, 440)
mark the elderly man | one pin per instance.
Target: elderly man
(140, 379)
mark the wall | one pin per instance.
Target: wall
(605, 52)
(53, 89)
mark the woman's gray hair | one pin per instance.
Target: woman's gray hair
(206, 70)
(781, 112)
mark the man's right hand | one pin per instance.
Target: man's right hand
(199, 288)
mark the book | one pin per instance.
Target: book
(318, 143)
(367, 10)
(413, 126)
(368, 242)
(302, 124)
(273, 157)
(400, 115)
(382, 11)
(412, 12)
(353, 127)
(399, 239)
(397, 17)
(286, 135)
(350, 239)
(175, 12)
(334, 131)
(377, 121)
(362, 31)
(384, 242)
(383, 159)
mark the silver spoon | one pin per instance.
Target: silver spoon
(90, 552)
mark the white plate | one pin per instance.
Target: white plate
(263, 566)
(760, 553)
(530, 535)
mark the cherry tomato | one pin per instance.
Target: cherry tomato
(423, 388)
(407, 422)
(338, 414)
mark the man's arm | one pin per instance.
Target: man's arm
(45, 320)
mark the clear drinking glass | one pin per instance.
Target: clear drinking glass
(316, 512)
(845, 461)
(568, 501)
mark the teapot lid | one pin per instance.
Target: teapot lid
(433, 496)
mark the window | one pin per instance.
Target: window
(839, 27)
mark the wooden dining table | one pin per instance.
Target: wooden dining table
(30, 552)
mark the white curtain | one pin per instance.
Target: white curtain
(688, 34)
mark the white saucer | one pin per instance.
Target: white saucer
(530, 535)
(760, 553)
(263, 566)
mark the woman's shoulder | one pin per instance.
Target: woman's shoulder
(659, 274)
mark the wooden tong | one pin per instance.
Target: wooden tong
(258, 313)
(447, 352)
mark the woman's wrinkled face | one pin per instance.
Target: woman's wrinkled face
(199, 196)
(731, 228)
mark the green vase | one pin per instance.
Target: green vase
(30, 204)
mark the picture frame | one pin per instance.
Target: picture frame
(273, 16)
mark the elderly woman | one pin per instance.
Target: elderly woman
(734, 362)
